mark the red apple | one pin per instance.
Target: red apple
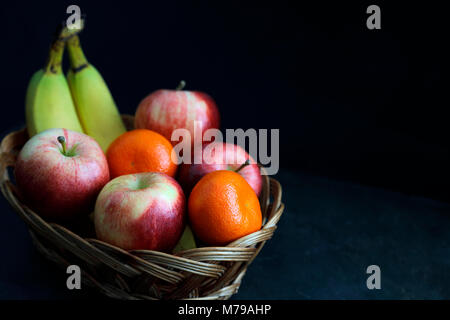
(164, 111)
(141, 211)
(222, 156)
(60, 173)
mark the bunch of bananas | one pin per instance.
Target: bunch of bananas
(81, 103)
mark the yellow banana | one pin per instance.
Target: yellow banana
(95, 106)
(48, 102)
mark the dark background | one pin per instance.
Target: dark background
(352, 103)
(364, 106)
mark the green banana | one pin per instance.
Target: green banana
(48, 102)
(95, 106)
(186, 242)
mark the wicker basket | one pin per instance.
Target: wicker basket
(201, 273)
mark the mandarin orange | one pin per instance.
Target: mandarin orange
(140, 150)
(223, 207)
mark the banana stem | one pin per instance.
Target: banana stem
(54, 61)
(62, 141)
(76, 56)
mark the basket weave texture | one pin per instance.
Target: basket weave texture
(201, 273)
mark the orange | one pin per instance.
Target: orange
(223, 207)
(140, 150)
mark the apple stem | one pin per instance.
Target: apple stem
(246, 163)
(181, 85)
(62, 141)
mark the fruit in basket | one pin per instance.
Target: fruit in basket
(48, 102)
(186, 242)
(164, 111)
(141, 211)
(95, 105)
(223, 207)
(60, 172)
(221, 156)
(140, 150)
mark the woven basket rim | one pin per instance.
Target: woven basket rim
(202, 273)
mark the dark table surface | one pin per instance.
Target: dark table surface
(328, 235)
